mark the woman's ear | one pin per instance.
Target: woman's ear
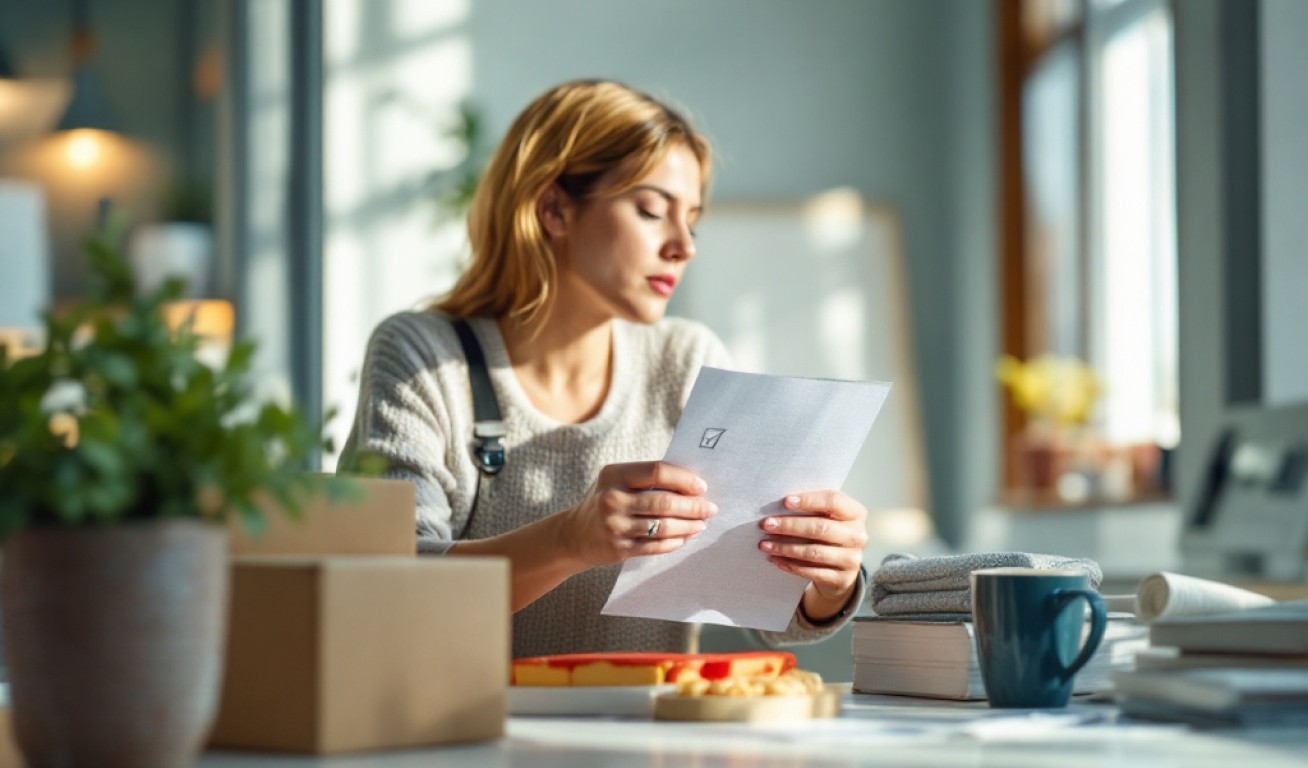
(551, 211)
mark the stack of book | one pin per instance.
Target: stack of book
(935, 656)
(1242, 667)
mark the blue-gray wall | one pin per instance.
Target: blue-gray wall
(1204, 213)
(1284, 59)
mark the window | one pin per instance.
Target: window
(318, 277)
(1089, 227)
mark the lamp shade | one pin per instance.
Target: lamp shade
(7, 71)
(87, 107)
(24, 255)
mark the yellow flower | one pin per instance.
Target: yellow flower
(1061, 390)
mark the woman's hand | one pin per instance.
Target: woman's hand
(644, 508)
(824, 544)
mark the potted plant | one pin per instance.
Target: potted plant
(122, 457)
(1057, 396)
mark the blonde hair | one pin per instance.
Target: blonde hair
(574, 135)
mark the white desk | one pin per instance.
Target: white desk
(873, 730)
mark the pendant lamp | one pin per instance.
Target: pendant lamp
(28, 105)
(86, 107)
(7, 71)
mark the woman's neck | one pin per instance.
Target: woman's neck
(563, 363)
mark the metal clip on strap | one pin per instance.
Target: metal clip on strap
(488, 428)
(490, 451)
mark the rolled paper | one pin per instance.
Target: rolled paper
(1166, 595)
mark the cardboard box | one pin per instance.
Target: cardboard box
(9, 755)
(344, 654)
(381, 522)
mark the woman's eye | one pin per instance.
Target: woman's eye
(644, 214)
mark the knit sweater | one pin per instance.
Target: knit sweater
(415, 410)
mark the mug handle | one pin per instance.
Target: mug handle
(1098, 623)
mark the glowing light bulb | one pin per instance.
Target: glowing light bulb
(83, 149)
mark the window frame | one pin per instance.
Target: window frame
(1094, 24)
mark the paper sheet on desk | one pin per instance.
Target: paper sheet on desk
(754, 439)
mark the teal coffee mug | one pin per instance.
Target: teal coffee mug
(1029, 627)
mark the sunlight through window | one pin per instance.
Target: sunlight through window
(397, 73)
(1135, 347)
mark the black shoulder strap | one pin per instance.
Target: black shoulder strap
(488, 428)
(484, 406)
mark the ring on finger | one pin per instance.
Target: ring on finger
(653, 529)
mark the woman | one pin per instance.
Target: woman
(581, 229)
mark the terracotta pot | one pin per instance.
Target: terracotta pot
(114, 640)
(1040, 459)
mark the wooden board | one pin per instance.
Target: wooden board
(593, 700)
(750, 709)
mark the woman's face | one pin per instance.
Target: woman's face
(623, 255)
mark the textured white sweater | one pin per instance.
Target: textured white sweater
(415, 409)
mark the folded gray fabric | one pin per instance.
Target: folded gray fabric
(953, 601)
(908, 584)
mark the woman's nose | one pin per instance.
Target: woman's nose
(681, 245)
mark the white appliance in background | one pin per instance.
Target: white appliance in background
(1248, 519)
(173, 249)
(24, 258)
(24, 283)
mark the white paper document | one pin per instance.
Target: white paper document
(754, 439)
(1166, 595)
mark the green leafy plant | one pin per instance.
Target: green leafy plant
(118, 420)
(452, 188)
(188, 200)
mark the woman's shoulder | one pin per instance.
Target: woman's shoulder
(415, 322)
(417, 335)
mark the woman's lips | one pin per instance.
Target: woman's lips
(663, 285)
